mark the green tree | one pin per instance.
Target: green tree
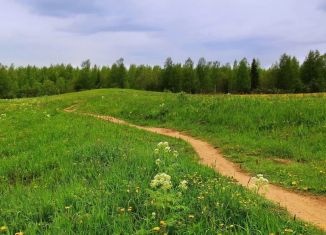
(167, 75)
(268, 79)
(288, 78)
(118, 74)
(49, 88)
(254, 74)
(83, 79)
(105, 77)
(188, 83)
(156, 76)
(4, 82)
(213, 76)
(202, 75)
(224, 75)
(61, 85)
(243, 77)
(312, 72)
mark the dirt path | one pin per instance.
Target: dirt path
(306, 207)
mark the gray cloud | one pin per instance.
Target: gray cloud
(61, 8)
(101, 24)
(322, 6)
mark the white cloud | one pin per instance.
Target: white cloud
(145, 31)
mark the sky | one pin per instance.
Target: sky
(44, 32)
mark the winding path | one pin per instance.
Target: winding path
(308, 208)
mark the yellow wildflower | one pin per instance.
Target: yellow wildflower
(3, 229)
(156, 229)
(162, 223)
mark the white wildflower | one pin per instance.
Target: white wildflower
(167, 149)
(259, 183)
(153, 215)
(162, 181)
(183, 185)
(163, 144)
(158, 161)
(175, 153)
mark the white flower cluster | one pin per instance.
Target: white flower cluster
(260, 182)
(165, 148)
(162, 181)
(162, 146)
(183, 185)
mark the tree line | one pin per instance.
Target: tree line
(285, 76)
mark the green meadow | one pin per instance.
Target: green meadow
(65, 173)
(280, 136)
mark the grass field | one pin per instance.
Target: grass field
(63, 173)
(280, 136)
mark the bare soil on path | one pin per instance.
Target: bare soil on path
(308, 208)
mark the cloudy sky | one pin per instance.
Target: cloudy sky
(44, 32)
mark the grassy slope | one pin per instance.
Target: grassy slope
(64, 173)
(255, 131)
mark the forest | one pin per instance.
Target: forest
(285, 76)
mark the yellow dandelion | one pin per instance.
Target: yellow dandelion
(122, 210)
(162, 223)
(130, 209)
(191, 216)
(19, 233)
(156, 229)
(3, 229)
